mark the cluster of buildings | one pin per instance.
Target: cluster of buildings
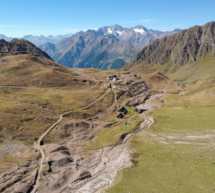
(113, 78)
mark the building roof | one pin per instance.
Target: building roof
(123, 110)
(120, 115)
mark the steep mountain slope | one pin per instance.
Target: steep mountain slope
(17, 47)
(91, 49)
(186, 55)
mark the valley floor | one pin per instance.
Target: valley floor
(163, 144)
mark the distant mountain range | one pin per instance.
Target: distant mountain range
(91, 49)
(138, 36)
(38, 40)
(106, 48)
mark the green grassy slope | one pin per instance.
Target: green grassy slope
(203, 68)
(200, 72)
(176, 154)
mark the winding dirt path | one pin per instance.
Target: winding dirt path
(115, 98)
(111, 159)
(148, 121)
(38, 146)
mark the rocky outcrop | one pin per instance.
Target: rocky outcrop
(182, 48)
(136, 88)
(19, 178)
(18, 47)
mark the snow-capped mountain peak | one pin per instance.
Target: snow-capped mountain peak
(141, 31)
(120, 33)
(109, 31)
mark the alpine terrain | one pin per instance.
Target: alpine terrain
(68, 125)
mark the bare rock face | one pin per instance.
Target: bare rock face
(182, 48)
(139, 99)
(62, 162)
(17, 47)
(136, 88)
(19, 178)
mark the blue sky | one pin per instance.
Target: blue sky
(21, 17)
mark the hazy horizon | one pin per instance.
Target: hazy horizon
(80, 31)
